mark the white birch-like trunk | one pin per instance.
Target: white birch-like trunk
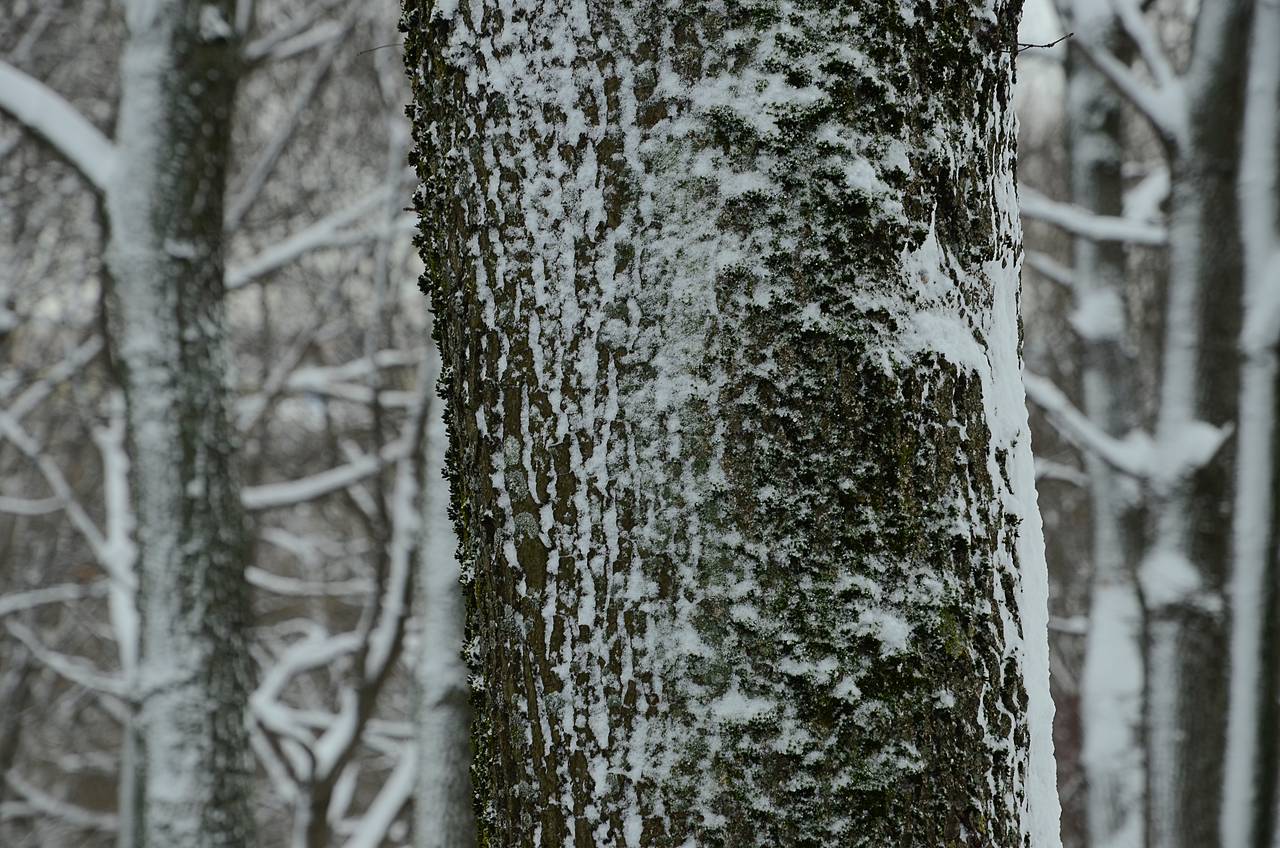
(1250, 780)
(165, 255)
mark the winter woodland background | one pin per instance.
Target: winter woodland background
(1153, 393)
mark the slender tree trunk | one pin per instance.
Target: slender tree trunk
(1111, 683)
(728, 295)
(1185, 572)
(1253, 719)
(165, 253)
(443, 814)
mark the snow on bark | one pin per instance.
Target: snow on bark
(165, 254)
(728, 308)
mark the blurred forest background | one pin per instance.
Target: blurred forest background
(1151, 374)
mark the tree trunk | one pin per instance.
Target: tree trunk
(1253, 719)
(1111, 682)
(1184, 574)
(443, 815)
(166, 260)
(728, 307)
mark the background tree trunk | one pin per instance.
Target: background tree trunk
(166, 258)
(728, 296)
(1112, 677)
(1184, 574)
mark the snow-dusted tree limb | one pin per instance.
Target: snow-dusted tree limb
(29, 506)
(373, 827)
(272, 45)
(276, 47)
(1129, 456)
(12, 431)
(59, 594)
(1081, 222)
(33, 395)
(330, 231)
(1153, 54)
(262, 579)
(46, 113)
(1060, 472)
(1050, 268)
(119, 553)
(45, 804)
(292, 492)
(1142, 202)
(265, 164)
(75, 669)
(1164, 107)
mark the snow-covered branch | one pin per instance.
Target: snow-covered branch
(1081, 222)
(12, 431)
(1135, 26)
(1051, 269)
(243, 201)
(60, 594)
(44, 804)
(291, 492)
(46, 113)
(1164, 106)
(1129, 455)
(74, 669)
(329, 232)
(372, 829)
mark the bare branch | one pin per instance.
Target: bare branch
(1130, 456)
(60, 594)
(45, 804)
(328, 232)
(1079, 221)
(75, 669)
(1051, 269)
(46, 113)
(1165, 107)
(1144, 38)
(372, 829)
(292, 492)
(266, 162)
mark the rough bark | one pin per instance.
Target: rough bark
(727, 296)
(166, 259)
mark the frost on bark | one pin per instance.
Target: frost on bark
(727, 298)
(166, 259)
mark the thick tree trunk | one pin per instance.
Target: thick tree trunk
(1111, 682)
(1184, 574)
(728, 307)
(166, 260)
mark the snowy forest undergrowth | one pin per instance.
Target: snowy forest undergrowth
(231, 610)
